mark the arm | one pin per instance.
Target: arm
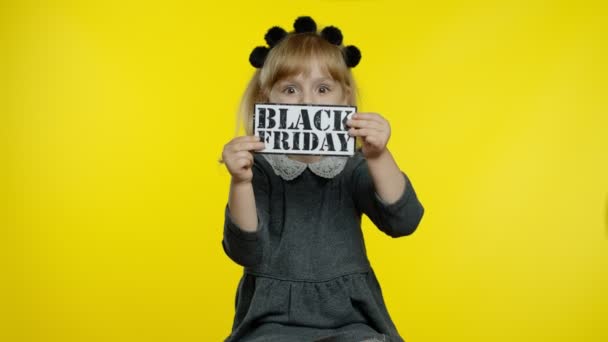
(398, 218)
(382, 191)
(375, 131)
(242, 223)
(241, 203)
(388, 179)
(239, 162)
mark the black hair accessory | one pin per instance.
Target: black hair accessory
(305, 24)
(332, 34)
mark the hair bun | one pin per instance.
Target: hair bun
(352, 56)
(305, 24)
(332, 34)
(258, 56)
(274, 35)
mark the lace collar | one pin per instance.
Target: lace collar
(288, 169)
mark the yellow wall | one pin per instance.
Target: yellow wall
(113, 117)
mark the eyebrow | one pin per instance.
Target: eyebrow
(324, 79)
(290, 79)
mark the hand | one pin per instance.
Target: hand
(238, 157)
(374, 131)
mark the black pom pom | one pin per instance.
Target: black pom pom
(258, 56)
(332, 34)
(305, 24)
(274, 35)
(352, 56)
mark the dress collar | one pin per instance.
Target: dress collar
(288, 169)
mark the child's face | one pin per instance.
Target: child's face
(314, 87)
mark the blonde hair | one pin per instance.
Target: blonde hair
(292, 56)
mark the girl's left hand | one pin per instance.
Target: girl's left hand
(374, 131)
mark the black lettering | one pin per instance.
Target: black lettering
(270, 118)
(282, 118)
(337, 120)
(277, 140)
(284, 140)
(327, 142)
(344, 139)
(310, 141)
(303, 120)
(262, 135)
(315, 142)
(344, 127)
(317, 119)
(261, 117)
(296, 141)
(306, 138)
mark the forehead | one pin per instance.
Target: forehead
(305, 62)
(313, 69)
(312, 72)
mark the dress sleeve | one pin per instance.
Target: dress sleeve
(245, 248)
(396, 219)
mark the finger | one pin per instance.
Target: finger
(364, 123)
(243, 163)
(258, 145)
(373, 141)
(240, 140)
(243, 155)
(246, 138)
(371, 117)
(247, 146)
(235, 160)
(367, 116)
(362, 132)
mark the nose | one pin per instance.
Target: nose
(310, 97)
(307, 97)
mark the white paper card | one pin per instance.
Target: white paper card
(304, 129)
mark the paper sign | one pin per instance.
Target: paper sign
(304, 129)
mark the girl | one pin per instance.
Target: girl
(294, 222)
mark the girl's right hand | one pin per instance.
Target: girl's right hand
(238, 157)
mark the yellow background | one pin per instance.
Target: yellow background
(114, 114)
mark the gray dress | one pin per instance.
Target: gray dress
(306, 273)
